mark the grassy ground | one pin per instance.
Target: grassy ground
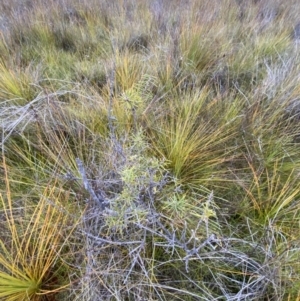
(149, 150)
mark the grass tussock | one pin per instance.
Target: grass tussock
(33, 243)
(149, 150)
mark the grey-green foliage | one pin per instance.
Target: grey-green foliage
(140, 175)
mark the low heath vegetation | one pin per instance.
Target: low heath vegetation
(150, 150)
